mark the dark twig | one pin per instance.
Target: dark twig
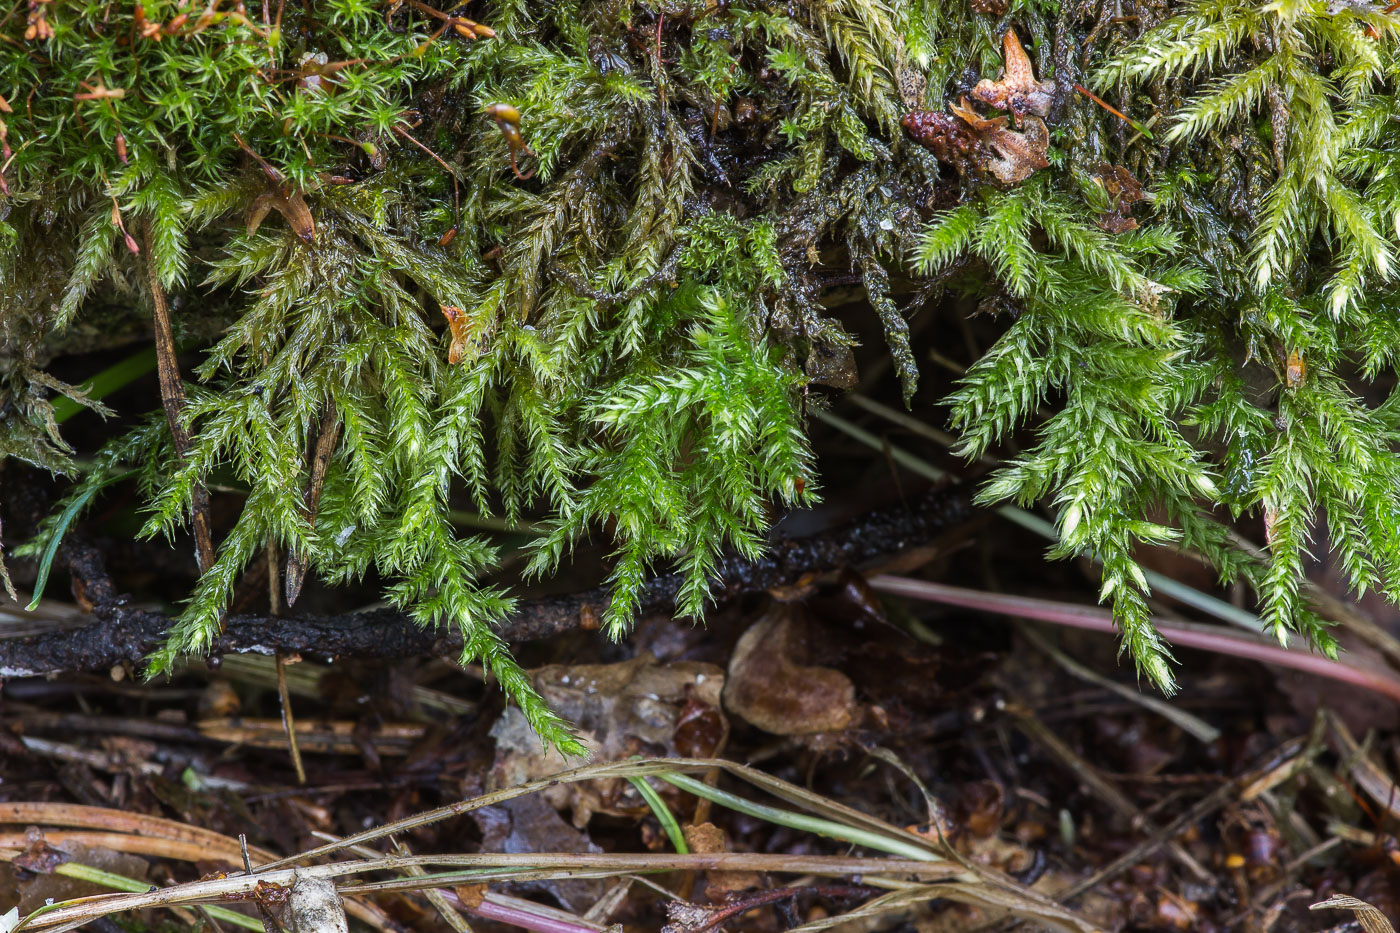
(172, 397)
(320, 460)
(125, 633)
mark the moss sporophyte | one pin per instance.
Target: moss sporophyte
(569, 260)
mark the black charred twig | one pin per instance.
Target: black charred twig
(123, 633)
(172, 398)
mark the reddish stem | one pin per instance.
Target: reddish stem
(1206, 638)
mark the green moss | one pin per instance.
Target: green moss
(636, 310)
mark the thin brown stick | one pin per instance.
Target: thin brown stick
(320, 462)
(289, 725)
(172, 398)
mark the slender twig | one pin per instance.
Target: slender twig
(320, 461)
(172, 397)
(1193, 725)
(288, 721)
(126, 632)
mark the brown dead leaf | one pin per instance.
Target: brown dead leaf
(772, 687)
(1017, 89)
(1014, 154)
(39, 857)
(287, 201)
(1295, 369)
(529, 824)
(468, 335)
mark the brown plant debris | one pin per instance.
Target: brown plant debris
(1123, 192)
(287, 201)
(772, 687)
(970, 142)
(1017, 89)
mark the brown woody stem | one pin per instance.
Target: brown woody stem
(172, 397)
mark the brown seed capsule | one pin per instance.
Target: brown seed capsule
(1295, 370)
(455, 317)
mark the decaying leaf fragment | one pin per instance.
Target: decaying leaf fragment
(1123, 192)
(1295, 369)
(772, 687)
(968, 141)
(618, 710)
(287, 201)
(1017, 89)
(1014, 154)
(468, 335)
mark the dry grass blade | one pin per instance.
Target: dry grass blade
(1368, 775)
(172, 396)
(149, 831)
(1371, 919)
(182, 851)
(957, 879)
(484, 867)
(586, 773)
(1193, 725)
(1007, 904)
(215, 845)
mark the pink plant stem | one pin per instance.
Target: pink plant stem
(518, 916)
(1206, 638)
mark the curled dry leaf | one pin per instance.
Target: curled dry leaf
(468, 335)
(287, 201)
(1014, 154)
(772, 687)
(968, 141)
(1295, 369)
(1017, 89)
